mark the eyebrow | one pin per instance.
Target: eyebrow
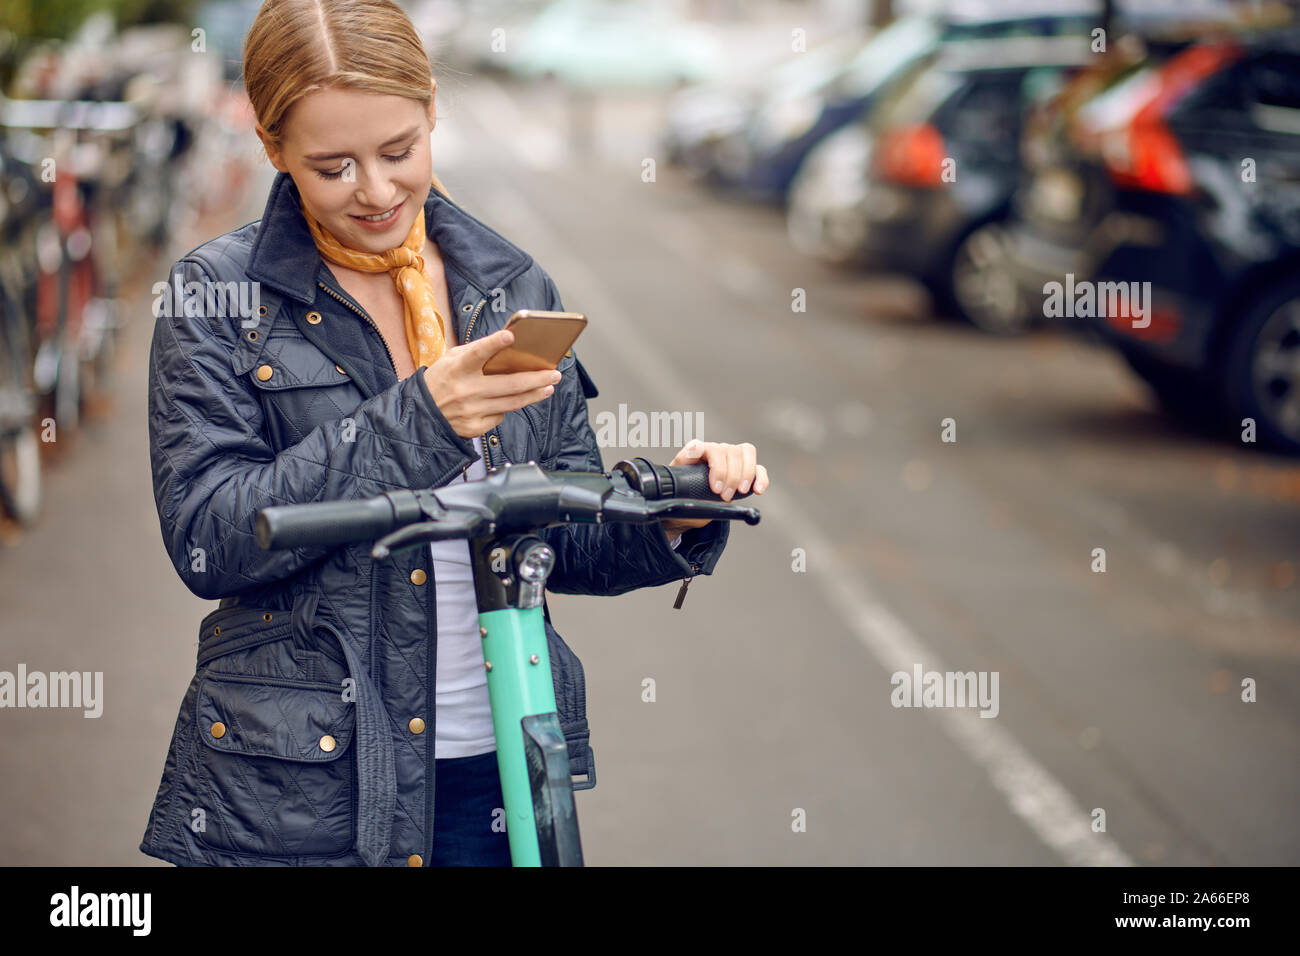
(322, 157)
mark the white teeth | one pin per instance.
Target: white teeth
(381, 217)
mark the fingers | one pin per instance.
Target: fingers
(515, 383)
(476, 353)
(501, 404)
(692, 452)
(733, 469)
(749, 461)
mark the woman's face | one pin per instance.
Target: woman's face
(361, 162)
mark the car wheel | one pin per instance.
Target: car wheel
(832, 237)
(982, 289)
(1262, 375)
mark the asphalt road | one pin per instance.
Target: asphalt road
(772, 738)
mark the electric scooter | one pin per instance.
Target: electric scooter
(500, 516)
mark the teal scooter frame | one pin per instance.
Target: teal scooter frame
(500, 516)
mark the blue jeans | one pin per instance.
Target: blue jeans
(467, 794)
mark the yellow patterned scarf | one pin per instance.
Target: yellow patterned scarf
(425, 333)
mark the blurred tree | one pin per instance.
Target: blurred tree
(27, 23)
(57, 19)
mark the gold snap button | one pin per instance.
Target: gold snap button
(261, 310)
(216, 631)
(487, 665)
(340, 369)
(465, 307)
(218, 730)
(415, 860)
(266, 616)
(313, 318)
(264, 372)
(328, 743)
(494, 441)
(418, 576)
(252, 335)
(416, 725)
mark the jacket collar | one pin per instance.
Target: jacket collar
(284, 255)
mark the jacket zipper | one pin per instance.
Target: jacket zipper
(430, 657)
(487, 453)
(369, 320)
(686, 582)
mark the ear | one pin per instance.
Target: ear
(273, 153)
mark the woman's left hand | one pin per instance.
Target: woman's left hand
(732, 469)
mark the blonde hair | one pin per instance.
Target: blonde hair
(295, 47)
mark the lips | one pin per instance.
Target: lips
(381, 220)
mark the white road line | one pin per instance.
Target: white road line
(1028, 788)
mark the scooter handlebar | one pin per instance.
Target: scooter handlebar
(325, 524)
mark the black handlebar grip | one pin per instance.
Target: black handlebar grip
(692, 481)
(324, 523)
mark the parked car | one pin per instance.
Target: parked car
(706, 119)
(761, 155)
(918, 188)
(1184, 178)
(764, 148)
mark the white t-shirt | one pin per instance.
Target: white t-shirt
(463, 722)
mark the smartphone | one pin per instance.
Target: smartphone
(541, 340)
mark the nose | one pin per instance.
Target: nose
(376, 190)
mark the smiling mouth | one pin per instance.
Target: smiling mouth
(381, 217)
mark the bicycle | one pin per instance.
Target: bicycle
(20, 458)
(500, 516)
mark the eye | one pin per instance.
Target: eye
(327, 175)
(406, 155)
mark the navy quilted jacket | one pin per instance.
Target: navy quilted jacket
(270, 762)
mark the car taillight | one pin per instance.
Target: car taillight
(1147, 156)
(1144, 153)
(911, 156)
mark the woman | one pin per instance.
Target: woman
(339, 703)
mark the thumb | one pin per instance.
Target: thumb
(480, 350)
(692, 452)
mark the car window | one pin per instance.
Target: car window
(987, 107)
(1273, 91)
(915, 101)
(885, 54)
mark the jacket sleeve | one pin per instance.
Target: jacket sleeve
(213, 468)
(611, 559)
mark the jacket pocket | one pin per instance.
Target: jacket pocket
(300, 387)
(275, 766)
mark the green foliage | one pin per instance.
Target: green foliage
(58, 19)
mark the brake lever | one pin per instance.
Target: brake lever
(695, 508)
(425, 532)
(680, 508)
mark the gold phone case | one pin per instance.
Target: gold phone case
(541, 340)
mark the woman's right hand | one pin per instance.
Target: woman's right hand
(473, 402)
